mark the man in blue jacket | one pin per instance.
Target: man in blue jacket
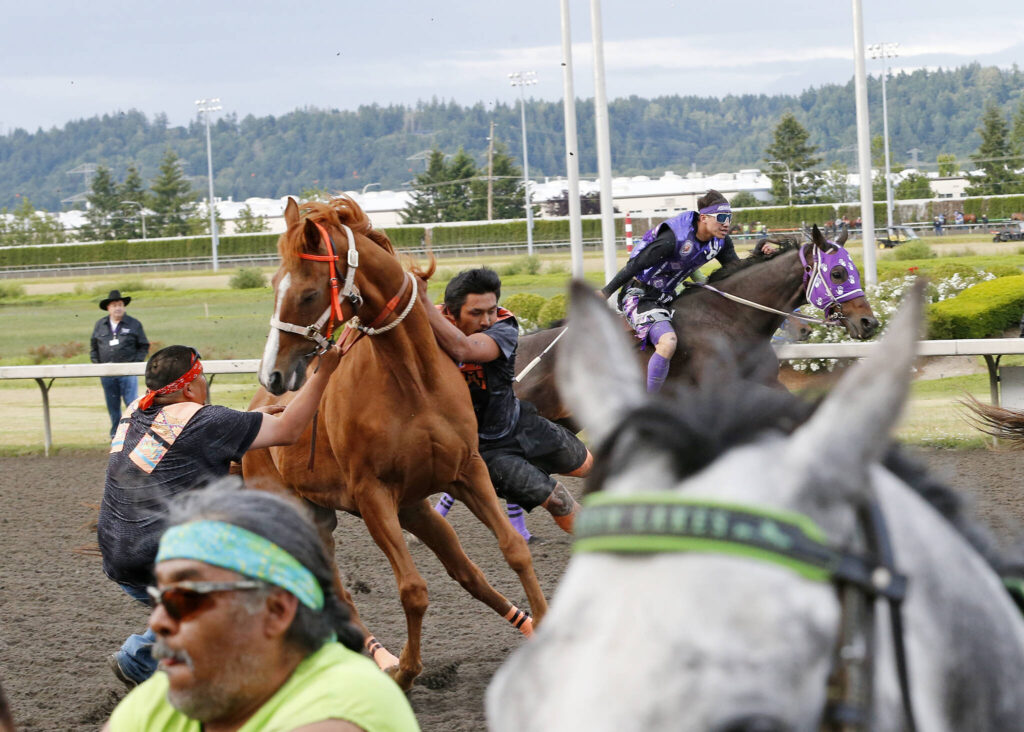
(118, 338)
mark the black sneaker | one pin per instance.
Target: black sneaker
(115, 667)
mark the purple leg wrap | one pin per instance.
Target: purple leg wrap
(657, 370)
(445, 504)
(517, 517)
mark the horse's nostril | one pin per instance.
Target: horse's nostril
(276, 385)
(869, 324)
(753, 723)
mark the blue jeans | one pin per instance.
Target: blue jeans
(136, 657)
(116, 389)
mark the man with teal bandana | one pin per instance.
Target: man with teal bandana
(250, 633)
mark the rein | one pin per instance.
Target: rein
(667, 522)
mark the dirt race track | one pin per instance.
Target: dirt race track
(60, 617)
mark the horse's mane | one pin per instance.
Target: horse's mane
(757, 256)
(716, 421)
(339, 211)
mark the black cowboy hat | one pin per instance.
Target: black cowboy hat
(114, 295)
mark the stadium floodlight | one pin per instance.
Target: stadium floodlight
(523, 79)
(885, 51)
(206, 106)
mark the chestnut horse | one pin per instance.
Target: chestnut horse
(395, 424)
(1001, 422)
(710, 326)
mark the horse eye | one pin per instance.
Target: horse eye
(838, 274)
(309, 297)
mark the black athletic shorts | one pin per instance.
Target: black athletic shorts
(521, 462)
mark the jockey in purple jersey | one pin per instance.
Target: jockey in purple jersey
(670, 252)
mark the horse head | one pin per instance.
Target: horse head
(664, 619)
(833, 284)
(320, 285)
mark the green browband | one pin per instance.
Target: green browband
(666, 522)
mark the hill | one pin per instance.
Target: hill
(934, 111)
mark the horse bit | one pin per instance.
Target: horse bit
(651, 523)
(332, 314)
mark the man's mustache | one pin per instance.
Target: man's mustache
(161, 651)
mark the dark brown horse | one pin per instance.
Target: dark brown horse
(712, 328)
(396, 423)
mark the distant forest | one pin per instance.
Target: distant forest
(933, 111)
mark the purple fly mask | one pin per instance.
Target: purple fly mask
(832, 279)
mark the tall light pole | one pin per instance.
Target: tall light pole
(142, 214)
(522, 79)
(368, 185)
(789, 177)
(885, 51)
(860, 87)
(206, 106)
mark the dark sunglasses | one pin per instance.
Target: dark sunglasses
(185, 599)
(722, 218)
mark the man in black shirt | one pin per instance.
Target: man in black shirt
(118, 338)
(520, 447)
(171, 441)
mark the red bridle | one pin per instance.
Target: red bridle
(333, 315)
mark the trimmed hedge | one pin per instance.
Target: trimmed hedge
(125, 251)
(411, 237)
(515, 231)
(982, 311)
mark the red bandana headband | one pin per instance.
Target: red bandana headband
(180, 383)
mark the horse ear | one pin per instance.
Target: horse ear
(843, 236)
(291, 213)
(851, 428)
(311, 237)
(597, 371)
(818, 238)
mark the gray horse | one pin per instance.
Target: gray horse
(733, 570)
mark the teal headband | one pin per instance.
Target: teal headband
(232, 547)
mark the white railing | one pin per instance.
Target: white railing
(992, 349)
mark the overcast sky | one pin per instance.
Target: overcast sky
(68, 59)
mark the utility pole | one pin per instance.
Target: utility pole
(490, 174)
(867, 209)
(604, 151)
(571, 147)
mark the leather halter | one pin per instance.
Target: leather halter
(332, 315)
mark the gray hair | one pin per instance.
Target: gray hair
(286, 523)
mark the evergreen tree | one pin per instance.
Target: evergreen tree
(744, 199)
(1017, 135)
(132, 197)
(507, 189)
(425, 207)
(790, 147)
(249, 223)
(172, 199)
(993, 156)
(457, 202)
(103, 213)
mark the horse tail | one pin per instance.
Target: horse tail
(1007, 424)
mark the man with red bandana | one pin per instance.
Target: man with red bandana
(170, 441)
(668, 254)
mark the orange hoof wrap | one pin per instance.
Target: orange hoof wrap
(520, 620)
(381, 655)
(566, 522)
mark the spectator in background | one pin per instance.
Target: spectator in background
(118, 338)
(250, 631)
(942, 222)
(958, 218)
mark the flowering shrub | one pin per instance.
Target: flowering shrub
(885, 299)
